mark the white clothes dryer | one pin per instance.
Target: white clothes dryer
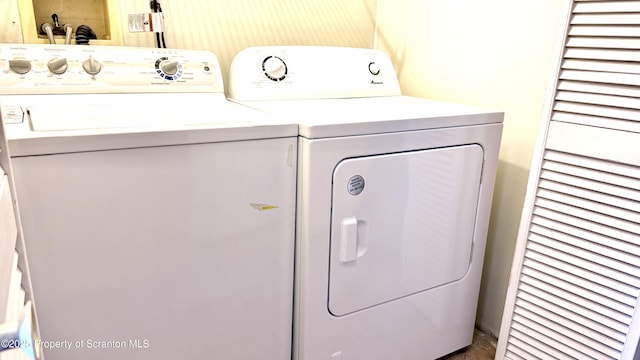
(158, 216)
(394, 195)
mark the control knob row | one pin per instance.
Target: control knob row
(275, 68)
(56, 65)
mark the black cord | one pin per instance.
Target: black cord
(156, 8)
(154, 5)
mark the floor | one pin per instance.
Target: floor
(482, 348)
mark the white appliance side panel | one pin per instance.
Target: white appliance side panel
(8, 236)
(401, 223)
(178, 252)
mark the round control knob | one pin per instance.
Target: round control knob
(374, 68)
(169, 67)
(20, 66)
(274, 68)
(91, 66)
(58, 65)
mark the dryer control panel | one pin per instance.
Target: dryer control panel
(311, 72)
(63, 69)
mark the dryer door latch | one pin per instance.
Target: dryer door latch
(349, 240)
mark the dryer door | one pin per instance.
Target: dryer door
(401, 224)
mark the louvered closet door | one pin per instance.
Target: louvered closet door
(575, 282)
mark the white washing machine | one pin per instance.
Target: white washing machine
(158, 216)
(394, 195)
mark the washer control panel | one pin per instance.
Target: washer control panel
(45, 69)
(310, 72)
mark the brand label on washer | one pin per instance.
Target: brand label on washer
(355, 185)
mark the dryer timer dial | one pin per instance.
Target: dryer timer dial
(274, 68)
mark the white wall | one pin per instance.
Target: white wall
(495, 53)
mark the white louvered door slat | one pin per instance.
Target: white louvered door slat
(602, 77)
(595, 88)
(598, 99)
(620, 196)
(514, 356)
(575, 282)
(581, 304)
(589, 194)
(539, 273)
(607, 256)
(595, 121)
(605, 42)
(597, 65)
(549, 266)
(623, 279)
(606, 6)
(603, 54)
(585, 30)
(573, 332)
(528, 347)
(604, 244)
(602, 229)
(571, 175)
(616, 211)
(606, 19)
(592, 216)
(599, 315)
(597, 110)
(557, 348)
(624, 170)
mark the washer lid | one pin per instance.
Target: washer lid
(72, 123)
(102, 117)
(322, 118)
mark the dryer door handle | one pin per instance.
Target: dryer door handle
(348, 240)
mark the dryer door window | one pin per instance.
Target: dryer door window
(401, 224)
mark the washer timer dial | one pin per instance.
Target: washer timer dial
(168, 69)
(274, 68)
